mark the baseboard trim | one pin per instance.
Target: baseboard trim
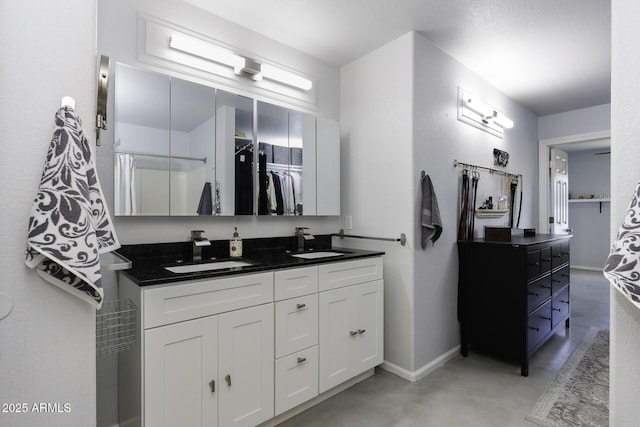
(417, 375)
(583, 267)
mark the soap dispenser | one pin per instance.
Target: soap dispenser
(235, 244)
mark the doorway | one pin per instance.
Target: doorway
(588, 195)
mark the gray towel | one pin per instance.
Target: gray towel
(430, 222)
(70, 225)
(205, 207)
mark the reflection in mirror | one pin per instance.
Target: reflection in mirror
(280, 135)
(192, 161)
(141, 144)
(234, 153)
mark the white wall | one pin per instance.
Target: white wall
(398, 117)
(589, 174)
(47, 344)
(625, 152)
(439, 138)
(376, 138)
(576, 122)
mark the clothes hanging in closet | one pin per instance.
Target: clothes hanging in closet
(244, 184)
(284, 193)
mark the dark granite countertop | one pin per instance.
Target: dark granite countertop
(149, 260)
(518, 240)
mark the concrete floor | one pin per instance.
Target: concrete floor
(474, 391)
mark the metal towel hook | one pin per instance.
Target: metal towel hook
(103, 93)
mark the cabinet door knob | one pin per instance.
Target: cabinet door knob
(228, 379)
(212, 386)
(353, 333)
(299, 306)
(362, 331)
(302, 359)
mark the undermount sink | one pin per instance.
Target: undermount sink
(209, 266)
(315, 255)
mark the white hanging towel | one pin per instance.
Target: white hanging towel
(623, 264)
(70, 225)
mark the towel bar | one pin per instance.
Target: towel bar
(402, 239)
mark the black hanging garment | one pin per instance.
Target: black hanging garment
(475, 177)
(464, 206)
(244, 184)
(263, 182)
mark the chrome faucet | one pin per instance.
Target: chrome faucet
(302, 236)
(197, 243)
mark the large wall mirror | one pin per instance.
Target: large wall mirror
(185, 149)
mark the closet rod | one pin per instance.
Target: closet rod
(490, 170)
(200, 159)
(402, 239)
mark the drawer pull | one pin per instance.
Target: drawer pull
(300, 306)
(212, 386)
(302, 359)
(557, 256)
(353, 333)
(564, 302)
(535, 294)
(228, 379)
(362, 331)
(556, 280)
(547, 259)
(535, 329)
(556, 309)
(535, 264)
(546, 287)
(546, 318)
(566, 253)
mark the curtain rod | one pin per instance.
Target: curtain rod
(163, 156)
(490, 170)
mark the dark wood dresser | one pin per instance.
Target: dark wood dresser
(513, 296)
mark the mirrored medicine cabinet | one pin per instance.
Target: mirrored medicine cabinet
(185, 149)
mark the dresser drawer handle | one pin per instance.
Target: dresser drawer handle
(362, 331)
(302, 359)
(556, 280)
(557, 256)
(546, 318)
(352, 333)
(535, 329)
(535, 264)
(563, 301)
(545, 286)
(547, 259)
(535, 294)
(556, 309)
(300, 306)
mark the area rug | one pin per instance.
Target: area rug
(579, 395)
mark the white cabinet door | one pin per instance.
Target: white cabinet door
(180, 361)
(246, 366)
(335, 337)
(370, 324)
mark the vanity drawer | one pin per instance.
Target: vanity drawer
(539, 325)
(537, 292)
(188, 300)
(295, 282)
(296, 324)
(346, 273)
(296, 379)
(560, 306)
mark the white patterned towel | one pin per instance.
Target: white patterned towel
(70, 225)
(623, 265)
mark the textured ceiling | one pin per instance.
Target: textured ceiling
(549, 55)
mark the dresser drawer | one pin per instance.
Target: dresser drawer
(296, 379)
(296, 324)
(545, 260)
(560, 279)
(539, 325)
(189, 300)
(346, 273)
(533, 264)
(560, 306)
(295, 282)
(556, 255)
(538, 292)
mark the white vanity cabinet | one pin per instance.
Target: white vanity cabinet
(351, 319)
(245, 349)
(203, 356)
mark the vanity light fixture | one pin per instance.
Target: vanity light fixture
(481, 115)
(207, 50)
(271, 72)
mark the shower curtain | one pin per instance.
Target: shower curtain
(124, 184)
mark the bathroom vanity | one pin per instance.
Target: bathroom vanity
(513, 296)
(240, 346)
